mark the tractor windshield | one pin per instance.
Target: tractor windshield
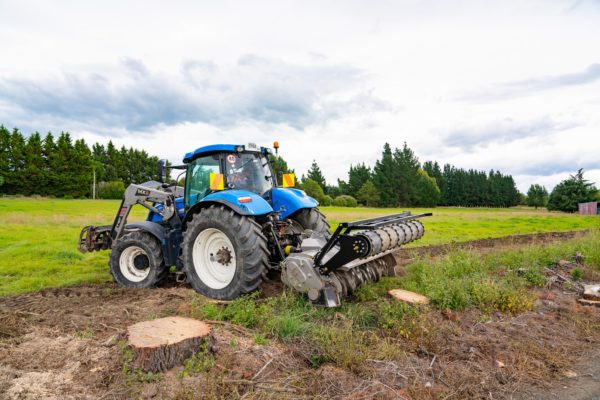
(248, 171)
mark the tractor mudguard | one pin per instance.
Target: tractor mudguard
(153, 228)
(169, 239)
(241, 201)
(288, 201)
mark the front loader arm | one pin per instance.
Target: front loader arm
(93, 238)
(146, 197)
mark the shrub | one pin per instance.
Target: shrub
(111, 190)
(314, 190)
(326, 200)
(345, 201)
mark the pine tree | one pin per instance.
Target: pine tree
(13, 183)
(83, 169)
(63, 165)
(33, 173)
(113, 163)
(383, 177)
(406, 175)
(357, 176)
(50, 174)
(4, 157)
(314, 173)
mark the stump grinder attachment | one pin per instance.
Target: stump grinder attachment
(327, 269)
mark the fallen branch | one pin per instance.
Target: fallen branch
(110, 327)
(262, 369)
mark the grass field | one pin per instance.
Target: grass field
(38, 237)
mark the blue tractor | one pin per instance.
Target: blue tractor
(233, 223)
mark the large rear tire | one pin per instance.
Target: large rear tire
(136, 261)
(313, 219)
(224, 254)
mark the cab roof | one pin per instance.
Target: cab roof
(205, 150)
(218, 148)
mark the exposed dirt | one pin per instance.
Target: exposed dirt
(66, 344)
(487, 245)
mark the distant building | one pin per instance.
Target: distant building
(589, 208)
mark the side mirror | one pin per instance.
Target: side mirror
(162, 170)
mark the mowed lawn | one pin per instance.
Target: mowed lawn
(38, 237)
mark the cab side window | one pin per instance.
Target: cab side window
(198, 178)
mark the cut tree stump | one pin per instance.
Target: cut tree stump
(591, 292)
(410, 297)
(162, 343)
(586, 302)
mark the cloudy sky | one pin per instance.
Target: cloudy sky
(509, 85)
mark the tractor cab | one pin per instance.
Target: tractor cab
(241, 178)
(227, 167)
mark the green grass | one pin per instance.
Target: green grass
(463, 224)
(38, 237)
(38, 243)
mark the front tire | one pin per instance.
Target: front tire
(224, 254)
(313, 219)
(136, 261)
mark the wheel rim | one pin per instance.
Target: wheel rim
(128, 267)
(214, 258)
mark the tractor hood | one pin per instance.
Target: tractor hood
(288, 201)
(242, 201)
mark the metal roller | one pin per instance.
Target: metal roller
(416, 229)
(393, 236)
(386, 241)
(375, 240)
(401, 234)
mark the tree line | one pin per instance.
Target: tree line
(399, 179)
(63, 167)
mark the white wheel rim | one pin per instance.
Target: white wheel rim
(214, 258)
(127, 264)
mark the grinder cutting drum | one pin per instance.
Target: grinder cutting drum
(327, 268)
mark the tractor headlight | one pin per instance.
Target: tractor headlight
(239, 149)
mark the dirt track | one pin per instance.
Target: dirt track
(60, 343)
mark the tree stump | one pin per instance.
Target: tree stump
(162, 343)
(591, 292)
(409, 297)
